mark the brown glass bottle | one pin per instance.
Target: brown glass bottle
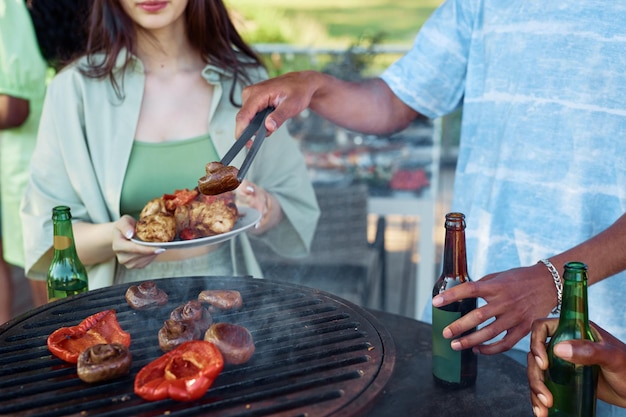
(452, 369)
(67, 275)
(573, 387)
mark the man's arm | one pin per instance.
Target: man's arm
(368, 106)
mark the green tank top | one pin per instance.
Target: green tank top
(155, 169)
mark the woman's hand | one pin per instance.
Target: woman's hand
(608, 352)
(515, 298)
(251, 195)
(130, 254)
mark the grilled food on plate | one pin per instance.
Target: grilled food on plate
(186, 215)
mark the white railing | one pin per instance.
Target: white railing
(282, 58)
(281, 48)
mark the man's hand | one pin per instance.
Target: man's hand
(289, 94)
(514, 298)
(608, 352)
(367, 106)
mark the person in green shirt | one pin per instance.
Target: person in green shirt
(22, 90)
(37, 38)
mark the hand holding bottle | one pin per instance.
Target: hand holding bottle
(514, 298)
(452, 368)
(608, 352)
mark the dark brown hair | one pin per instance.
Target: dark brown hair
(60, 29)
(209, 30)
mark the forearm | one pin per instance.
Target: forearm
(13, 111)
(604, 254)
(367, 106)
(94, 242)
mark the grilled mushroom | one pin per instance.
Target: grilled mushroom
(195, 312)
(103, 362)
(218, 179)
(175, 332)
(233, 341)
(221, 299)
(145, 295)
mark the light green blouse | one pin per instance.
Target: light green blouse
(83, 151)
(155, 169)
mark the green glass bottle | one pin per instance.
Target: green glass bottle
(452, 369)
(573, 387)
(67, 275)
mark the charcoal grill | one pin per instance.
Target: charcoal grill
(316, 355)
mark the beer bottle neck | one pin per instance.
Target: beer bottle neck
(454, 255)
(64, 237)
(574, 310)
(574, 300)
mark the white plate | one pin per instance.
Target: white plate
(248, 217)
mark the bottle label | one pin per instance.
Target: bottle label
(62, 242)
(446, 361)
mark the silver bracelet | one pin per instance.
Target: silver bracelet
(558, 282)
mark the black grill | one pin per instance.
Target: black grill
(316, 355)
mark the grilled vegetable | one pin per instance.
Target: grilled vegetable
(221, 299)
(145, 295)
(183, 374)
(219, 179)
(103, 362)
(195, 312)
(67, 343)
(234, 342)
(174, 333)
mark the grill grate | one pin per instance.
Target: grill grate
(316, 355)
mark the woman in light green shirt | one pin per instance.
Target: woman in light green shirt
(154, 100)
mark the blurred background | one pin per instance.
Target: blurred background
(408, 176)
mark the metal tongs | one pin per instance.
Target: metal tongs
(220, 176)
(256, 126)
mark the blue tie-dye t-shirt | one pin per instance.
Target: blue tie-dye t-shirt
(542, 158)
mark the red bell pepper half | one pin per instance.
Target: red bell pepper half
(67, 343)
(182, 374)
